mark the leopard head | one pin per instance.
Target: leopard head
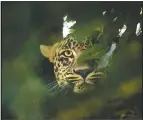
(68, 71)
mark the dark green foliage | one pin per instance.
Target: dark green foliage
(95, 52)
(25, 72)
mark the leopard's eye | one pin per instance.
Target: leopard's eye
(68, 53)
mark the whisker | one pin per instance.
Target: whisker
(53, 88)
(57, 90)
(50, 84)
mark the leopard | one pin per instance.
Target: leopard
(69, 73)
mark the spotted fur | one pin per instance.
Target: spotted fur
(68, 72)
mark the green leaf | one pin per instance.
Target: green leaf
(95, 52)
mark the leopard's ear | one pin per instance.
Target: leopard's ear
(45, 50)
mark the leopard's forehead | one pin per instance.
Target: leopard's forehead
(70, 43)
(73, 44)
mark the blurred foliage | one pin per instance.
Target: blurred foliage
(121, 83)
(90, 54)
(25, 72)
(87, 28)
(22, 88)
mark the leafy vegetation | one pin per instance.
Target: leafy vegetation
(25, 73)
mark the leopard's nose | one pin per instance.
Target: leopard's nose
(83, 72)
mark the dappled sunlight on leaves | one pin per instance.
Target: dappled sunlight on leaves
(126, 89)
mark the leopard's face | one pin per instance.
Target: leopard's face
(70, 73)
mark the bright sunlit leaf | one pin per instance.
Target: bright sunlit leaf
(115, 19)
(138, 29)
(105, 59)
(141, 12)
(66, 26)
(122, 30)
(104, 13)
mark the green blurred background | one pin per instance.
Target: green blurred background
(25, 72)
